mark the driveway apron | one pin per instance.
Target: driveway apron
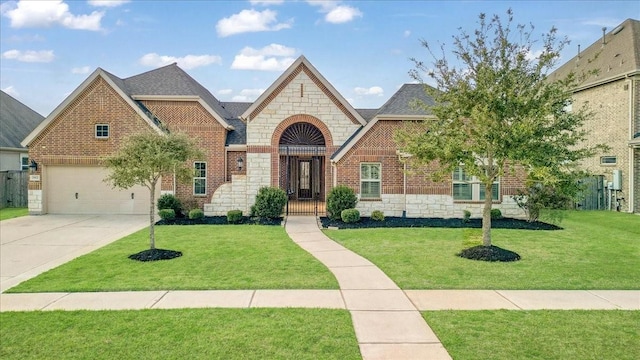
(31, 245)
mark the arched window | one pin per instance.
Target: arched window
(302, 133)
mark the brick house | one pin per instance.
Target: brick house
(300, 135)
(614, 97)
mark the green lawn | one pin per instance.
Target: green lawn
(179, 334)
(543, 335)
(214, 257)
(596, 250)
(10, 213)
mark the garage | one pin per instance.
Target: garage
(81, 190)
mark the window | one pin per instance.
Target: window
(24, 163)
(102, 131)
(469, 188)
(200, 178)
(370, 180)
(608, 160)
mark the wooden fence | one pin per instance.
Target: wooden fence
(13, 188)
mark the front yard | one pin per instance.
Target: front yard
(214, 257)
(10, 213)
(595, 250)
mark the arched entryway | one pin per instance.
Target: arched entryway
(302, 153)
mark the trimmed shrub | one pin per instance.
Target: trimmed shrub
(466, 216)
(270, 203)
(350, 215)
(188, 204)
(340, 198)
(496, 214)
(196, 214)
(168, 201)
(234, 216)
(377, 215)
(167, 214)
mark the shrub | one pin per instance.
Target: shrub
(167, 214)
(189, 204)
(350, 215)
(234, 216)
(196, 214)
(270, 202)
(168, 201)
(377, 215)
(466, 216)
(340, 198)
(496, 214)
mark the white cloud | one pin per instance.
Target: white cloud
(266, 2)
(274, 57)
(185, 62)
(407, 33)
(374, 90)
(11, 91)
(248, 95)
(107, 3)
(335, 12)
(225, 92)
(250, 21)
(48, 13)
(42, 56)
(81, 70)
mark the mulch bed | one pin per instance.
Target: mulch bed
(395, 222)
(155, 255)
(489, 253)
(219, 220)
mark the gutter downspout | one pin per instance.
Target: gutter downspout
(631, 194)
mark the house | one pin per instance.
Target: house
(300, 135)
(16, 122)
(613, 95)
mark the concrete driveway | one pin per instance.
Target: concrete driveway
(31, 245)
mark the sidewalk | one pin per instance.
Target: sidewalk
(387, 321)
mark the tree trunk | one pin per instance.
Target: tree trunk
(152, 220)
(486, 214)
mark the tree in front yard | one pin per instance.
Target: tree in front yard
(144, 158)
(495, 109)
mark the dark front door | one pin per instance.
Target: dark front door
(304, 180)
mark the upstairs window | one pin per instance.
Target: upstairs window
(200, 178)
(370, 180)
(469, 188)
(102, 131)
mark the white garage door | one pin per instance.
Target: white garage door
(81, 190)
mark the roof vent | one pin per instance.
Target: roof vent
(617, 30)
(604, 30)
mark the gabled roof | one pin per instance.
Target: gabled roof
(237, 136)
(17, 120)
(615, 55)
(403, 105)
(302, 64)
(172, 83)
(116, 83)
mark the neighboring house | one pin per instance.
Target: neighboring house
(614, 97)
(300, 135)
(16, 122)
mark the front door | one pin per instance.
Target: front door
(304, 180)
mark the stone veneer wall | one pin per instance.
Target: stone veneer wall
(229, 196)
(441, 206)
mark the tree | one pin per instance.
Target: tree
(497, 109)
(143, 158)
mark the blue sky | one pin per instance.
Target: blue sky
(236, 49)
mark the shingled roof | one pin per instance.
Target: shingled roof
(17, 120)
(406, 101)
(614, 55)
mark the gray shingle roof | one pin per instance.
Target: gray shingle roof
(404, 101)
(237, 136)
(16, 121)
(619, 55)
(367, 114)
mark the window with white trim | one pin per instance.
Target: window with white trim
(200, 178)
(608, 160)
(370, 180)
(102, 131)
(469, 188)
(24, 162)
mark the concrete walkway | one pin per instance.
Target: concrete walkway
(387, 321)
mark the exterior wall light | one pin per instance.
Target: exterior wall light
(33, 166)
(240, 162)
